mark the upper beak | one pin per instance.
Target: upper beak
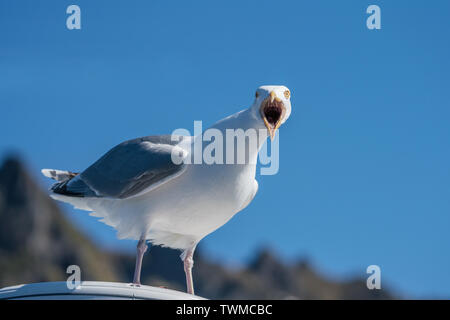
(273, 96)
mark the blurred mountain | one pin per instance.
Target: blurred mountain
(37, 243)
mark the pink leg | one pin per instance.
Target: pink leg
(140, 250)
(188, 263)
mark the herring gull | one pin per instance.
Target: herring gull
(140, 190)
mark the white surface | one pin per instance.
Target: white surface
(91, 290)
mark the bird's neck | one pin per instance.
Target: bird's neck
(244, 119)
(245, 125)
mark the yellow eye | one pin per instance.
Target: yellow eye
(287, 94)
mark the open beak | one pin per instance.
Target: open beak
(272, 112)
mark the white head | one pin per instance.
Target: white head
(273, 105)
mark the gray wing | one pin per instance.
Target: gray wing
(128, 169)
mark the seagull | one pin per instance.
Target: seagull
(139, 189)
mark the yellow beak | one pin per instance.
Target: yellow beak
(272, 130)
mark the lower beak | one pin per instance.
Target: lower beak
(272, 129)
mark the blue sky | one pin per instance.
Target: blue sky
(364, 159)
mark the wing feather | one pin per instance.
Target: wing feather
(130, 168)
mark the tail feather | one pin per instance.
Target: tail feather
(58, 175)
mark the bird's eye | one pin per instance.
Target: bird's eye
(256, 94)
(287, 94)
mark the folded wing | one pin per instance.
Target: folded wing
(129, 169)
